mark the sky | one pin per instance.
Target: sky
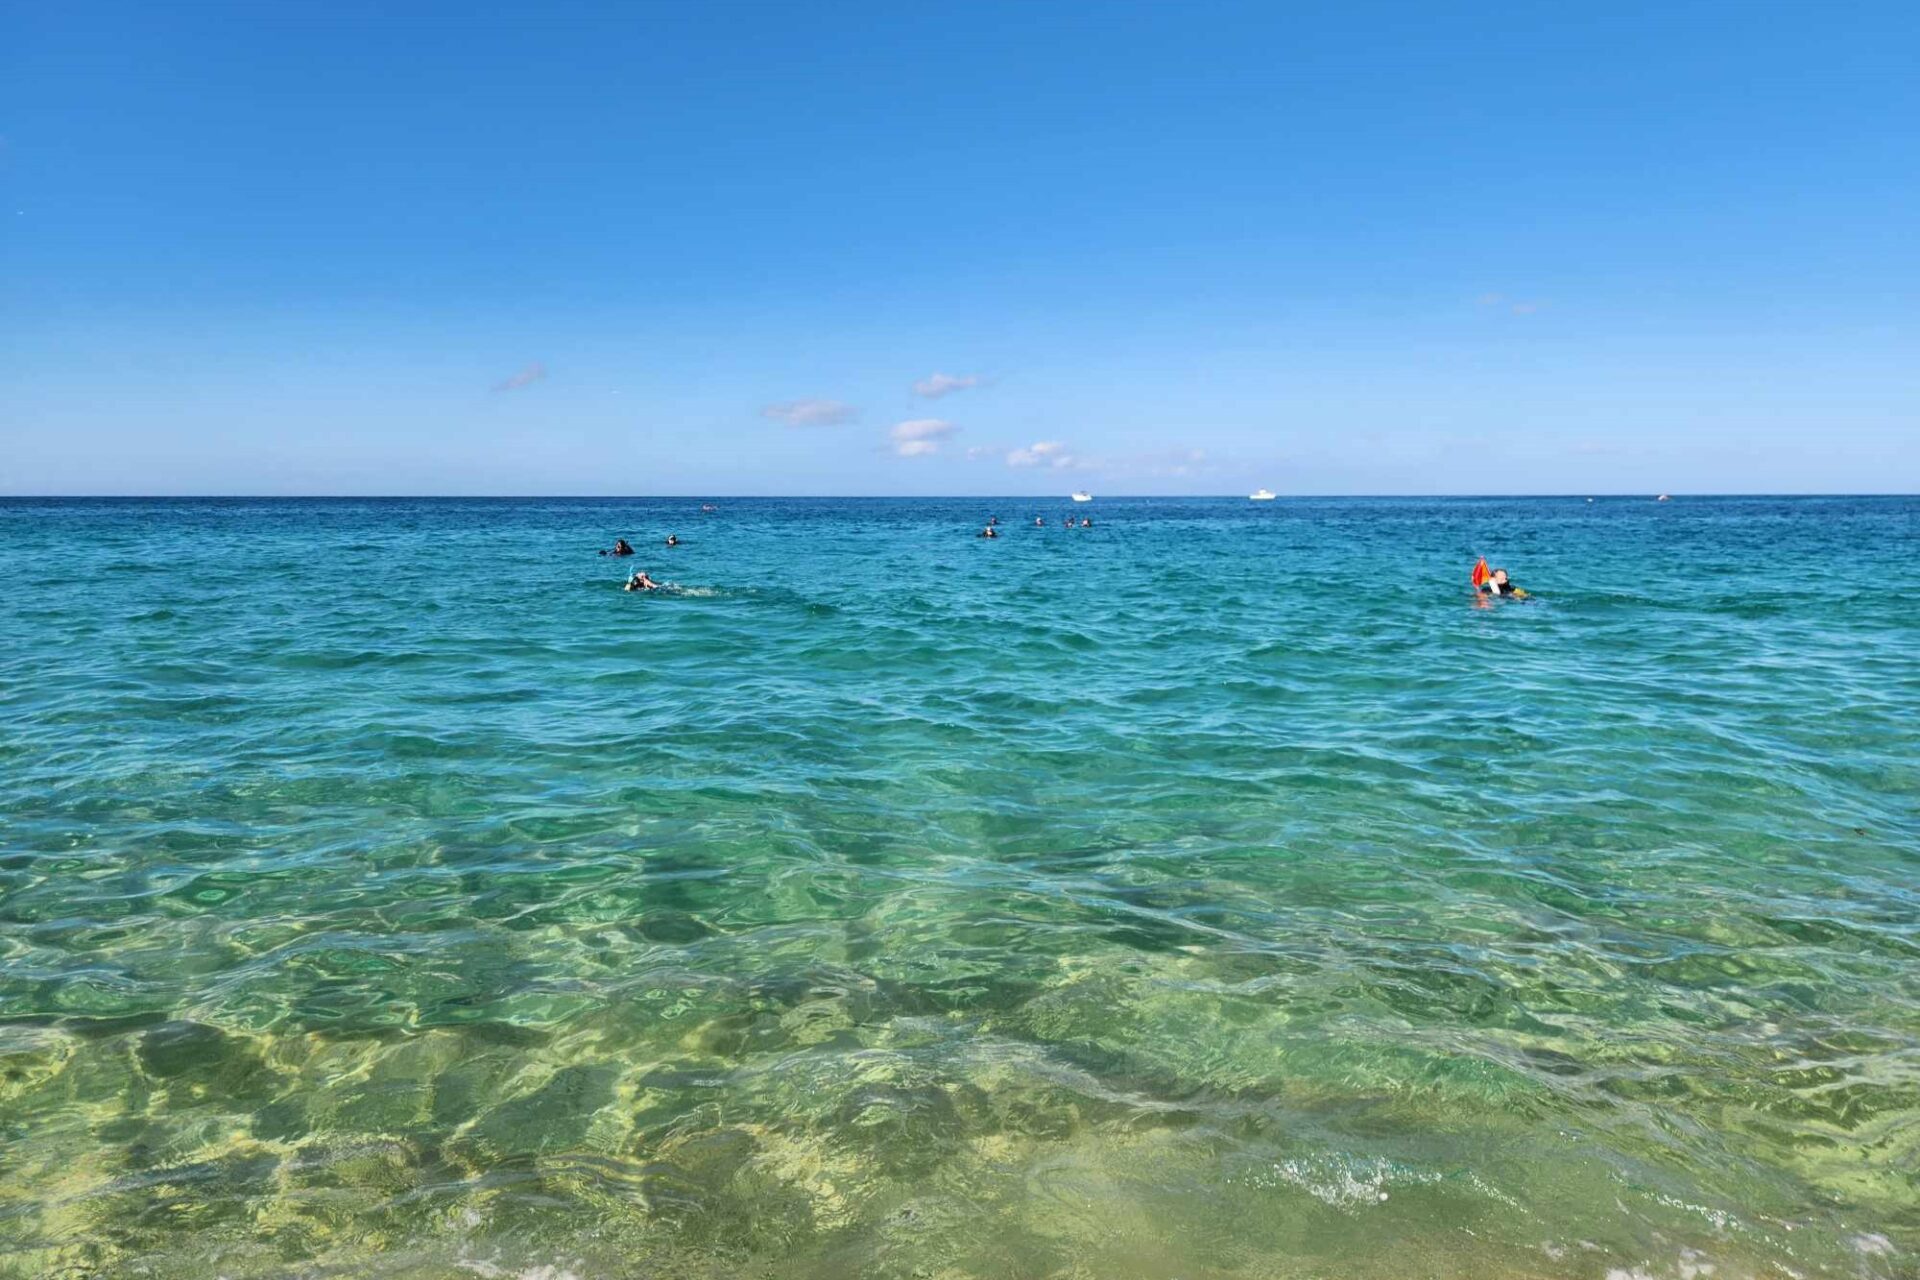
(1175, 248)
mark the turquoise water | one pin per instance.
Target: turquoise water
(1215, 892)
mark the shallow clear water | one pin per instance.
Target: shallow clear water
(1213, 892)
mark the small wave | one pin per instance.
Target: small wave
(1347, 1182)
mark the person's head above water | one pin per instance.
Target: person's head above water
(672, 541)
(1500, 584)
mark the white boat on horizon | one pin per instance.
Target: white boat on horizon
(1083, 496)
(1260, 495)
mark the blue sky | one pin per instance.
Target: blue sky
(1170, 248)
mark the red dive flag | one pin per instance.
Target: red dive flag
(1481, 573)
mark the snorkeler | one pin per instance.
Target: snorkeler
(620, 548)
(1500, 585)
(672, 541)
(1495, 582)
(641, 582)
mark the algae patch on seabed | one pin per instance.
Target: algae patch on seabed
(852, 1141)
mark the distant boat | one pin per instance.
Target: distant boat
(1663, 498)
(1083, 496)
(1260, 495)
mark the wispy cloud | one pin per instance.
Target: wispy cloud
(810, 413)
(525, 378)
(940, 384)
(1042, 453)
(1186, 464)
(918, 437)
(1179, 463)
(1515, 306)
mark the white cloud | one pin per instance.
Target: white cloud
(918, 437)
(1043, 453)
(525, 378)
(810, 413)
(941, 384)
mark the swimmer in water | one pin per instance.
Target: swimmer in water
(1498, 584)
(672, 541)
(620, 548)
(989, 532)
(641, 582)
(1086, 522)
(1039, 522)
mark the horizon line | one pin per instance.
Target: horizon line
(919, 497)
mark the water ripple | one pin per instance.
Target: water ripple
(1213, 892)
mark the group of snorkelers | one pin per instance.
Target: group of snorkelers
(639, 581)
(1039, 522)
(621, 547)
(1487, 582)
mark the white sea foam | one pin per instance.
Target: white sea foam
(1872, 1244)
(540, 1271)
(1345, 1182)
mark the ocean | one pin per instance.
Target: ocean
(1218, 891)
